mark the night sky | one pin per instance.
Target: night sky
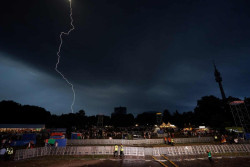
(144, 55)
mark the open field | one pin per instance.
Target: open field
(228, 160)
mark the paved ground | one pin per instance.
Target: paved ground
(60, 161)
(217, 162)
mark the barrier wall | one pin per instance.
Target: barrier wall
(131, 151)
(202, 149)
(136, 142)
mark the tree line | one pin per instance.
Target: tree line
(209, 111)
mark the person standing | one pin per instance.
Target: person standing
(121, 151)
(2, 153)
(223, 139)
(209, 155)
(29, 145)
(116, 151)
(9, 152)
(169, 140)
(172, 141)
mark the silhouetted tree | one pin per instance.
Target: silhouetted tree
(80, 119)
(188, 118)
(130, 120)
(210, 111)
(146, 118)
(81, 113)
(178, 119)
(106, 121)
(14, 113)
(167, 117)
(122, 120)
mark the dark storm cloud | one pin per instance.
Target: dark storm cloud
(141, 54)
(26, 85)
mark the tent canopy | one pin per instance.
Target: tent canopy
(168, 125)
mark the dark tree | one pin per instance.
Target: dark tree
(210, 111)
(167, 117)
(14, 113)
(80, 119)
(188, 118)
(122, 120)
(130, 120)
(106, 120)
(146, 118)
(178, 119)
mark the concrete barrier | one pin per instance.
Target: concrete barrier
(79, 142)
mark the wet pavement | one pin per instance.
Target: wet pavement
(126, 163)
(188, 161)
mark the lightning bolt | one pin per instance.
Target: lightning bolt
(58, 56)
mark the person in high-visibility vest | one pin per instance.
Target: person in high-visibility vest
(9, 153)
(172, 141)
(223, 139)
(121, 151)
(165, 140)
(116, 151)
(169, 140)
(209, 155)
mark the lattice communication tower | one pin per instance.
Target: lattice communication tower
(241, 115)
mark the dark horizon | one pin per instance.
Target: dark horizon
(143, 55)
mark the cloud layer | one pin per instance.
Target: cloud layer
(138, 54)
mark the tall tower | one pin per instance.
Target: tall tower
(218, 79)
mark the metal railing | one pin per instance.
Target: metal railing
(202, 149)
(75, 150)
(131, 151)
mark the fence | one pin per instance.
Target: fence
(131, 151)
(202, 149)
(78, 142)
(75, 150)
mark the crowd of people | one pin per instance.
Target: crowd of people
(6, 151)
(168, 136)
